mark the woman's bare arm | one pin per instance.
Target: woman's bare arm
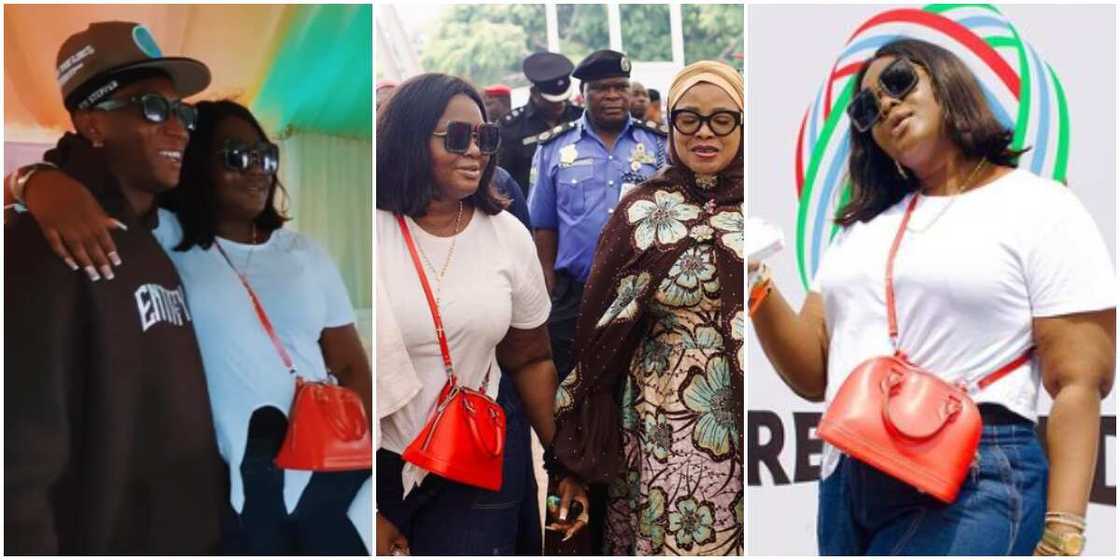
(527, 355)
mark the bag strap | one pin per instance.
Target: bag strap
(892, 317)
(261, 315)
(440, 333)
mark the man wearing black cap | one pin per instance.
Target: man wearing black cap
(548, 107)
(109, 445)
(580, 171)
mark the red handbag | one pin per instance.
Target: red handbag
(904, 420)
(465, 436)
(328, 429)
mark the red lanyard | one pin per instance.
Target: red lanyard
(260, 313)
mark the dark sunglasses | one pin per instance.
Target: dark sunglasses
(457, 137)
(896, 80)
(155, 108)
(241, 157)
(721, 123)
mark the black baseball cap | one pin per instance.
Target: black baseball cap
(551, 73)
(108, 55)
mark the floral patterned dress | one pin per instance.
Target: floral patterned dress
(681, 487)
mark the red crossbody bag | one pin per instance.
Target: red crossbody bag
(905, 420)
(328, 429)
(464, 438)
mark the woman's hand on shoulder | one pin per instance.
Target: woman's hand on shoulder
(75, 225)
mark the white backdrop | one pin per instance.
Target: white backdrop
(790, 51)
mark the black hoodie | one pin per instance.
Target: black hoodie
(109, 444)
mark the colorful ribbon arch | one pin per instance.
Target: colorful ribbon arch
(1023, 91)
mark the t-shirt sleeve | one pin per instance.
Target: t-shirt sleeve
(531, 304)
(169, 232)
(1065, 260)
(827, 259)
(339, 310)
(542, 195)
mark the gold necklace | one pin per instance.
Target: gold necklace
(968, 186)
(439, 274)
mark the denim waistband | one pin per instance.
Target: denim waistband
(1023, 432)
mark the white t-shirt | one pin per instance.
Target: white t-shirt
(966, 288)
(301, 291)
(493, 282)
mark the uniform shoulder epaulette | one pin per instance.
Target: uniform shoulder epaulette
(656, 128)
(550, 134)
(512, 116)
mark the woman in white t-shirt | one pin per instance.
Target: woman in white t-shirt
(994, 261)
(435, 162)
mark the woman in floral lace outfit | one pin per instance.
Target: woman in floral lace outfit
(653, 409)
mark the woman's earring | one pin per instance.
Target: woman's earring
(901, 170)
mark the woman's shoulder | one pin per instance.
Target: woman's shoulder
(1023, 191)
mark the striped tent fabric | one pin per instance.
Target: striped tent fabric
(1023, 91)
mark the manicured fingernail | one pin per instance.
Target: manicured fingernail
(120, 225)
(92, 273)
(113, 256)
(70, 263)
(107, 271)
(564, 513)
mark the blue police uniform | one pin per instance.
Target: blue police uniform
(577, 183)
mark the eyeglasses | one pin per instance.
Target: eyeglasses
(721, 123)
(155, 108)
(241, 157)
(457, 137)
(897, 80)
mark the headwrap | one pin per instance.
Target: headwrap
(649, 231)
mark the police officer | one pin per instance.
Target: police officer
(580, 171)
(548, 107)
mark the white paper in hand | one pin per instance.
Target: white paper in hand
(762, 239)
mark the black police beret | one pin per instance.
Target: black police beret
(601, 65)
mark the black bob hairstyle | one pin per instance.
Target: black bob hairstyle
(969, 121)
(195, 201)
(405, 124)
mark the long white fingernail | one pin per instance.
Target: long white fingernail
(120, 225)
(70, 263)
(92, 273)
(107, 272)
(115, 258)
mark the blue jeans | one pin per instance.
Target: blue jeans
(443, 518)
(999, 510)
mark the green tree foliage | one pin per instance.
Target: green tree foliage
(645, 32)
(486, 43)
(713, 32)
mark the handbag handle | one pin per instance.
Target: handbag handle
(950, 406)
(261, 315)
(472, 421)
(966, 385)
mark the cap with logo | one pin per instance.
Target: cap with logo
(551, 73)
(109, 55)
(601, 65)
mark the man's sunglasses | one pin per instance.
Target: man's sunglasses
(896, 80)
(241, 157)
(457, 137)
(155, 108)
(721, 123)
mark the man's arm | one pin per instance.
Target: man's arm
(542, 213)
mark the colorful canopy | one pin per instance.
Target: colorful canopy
(300, 68)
